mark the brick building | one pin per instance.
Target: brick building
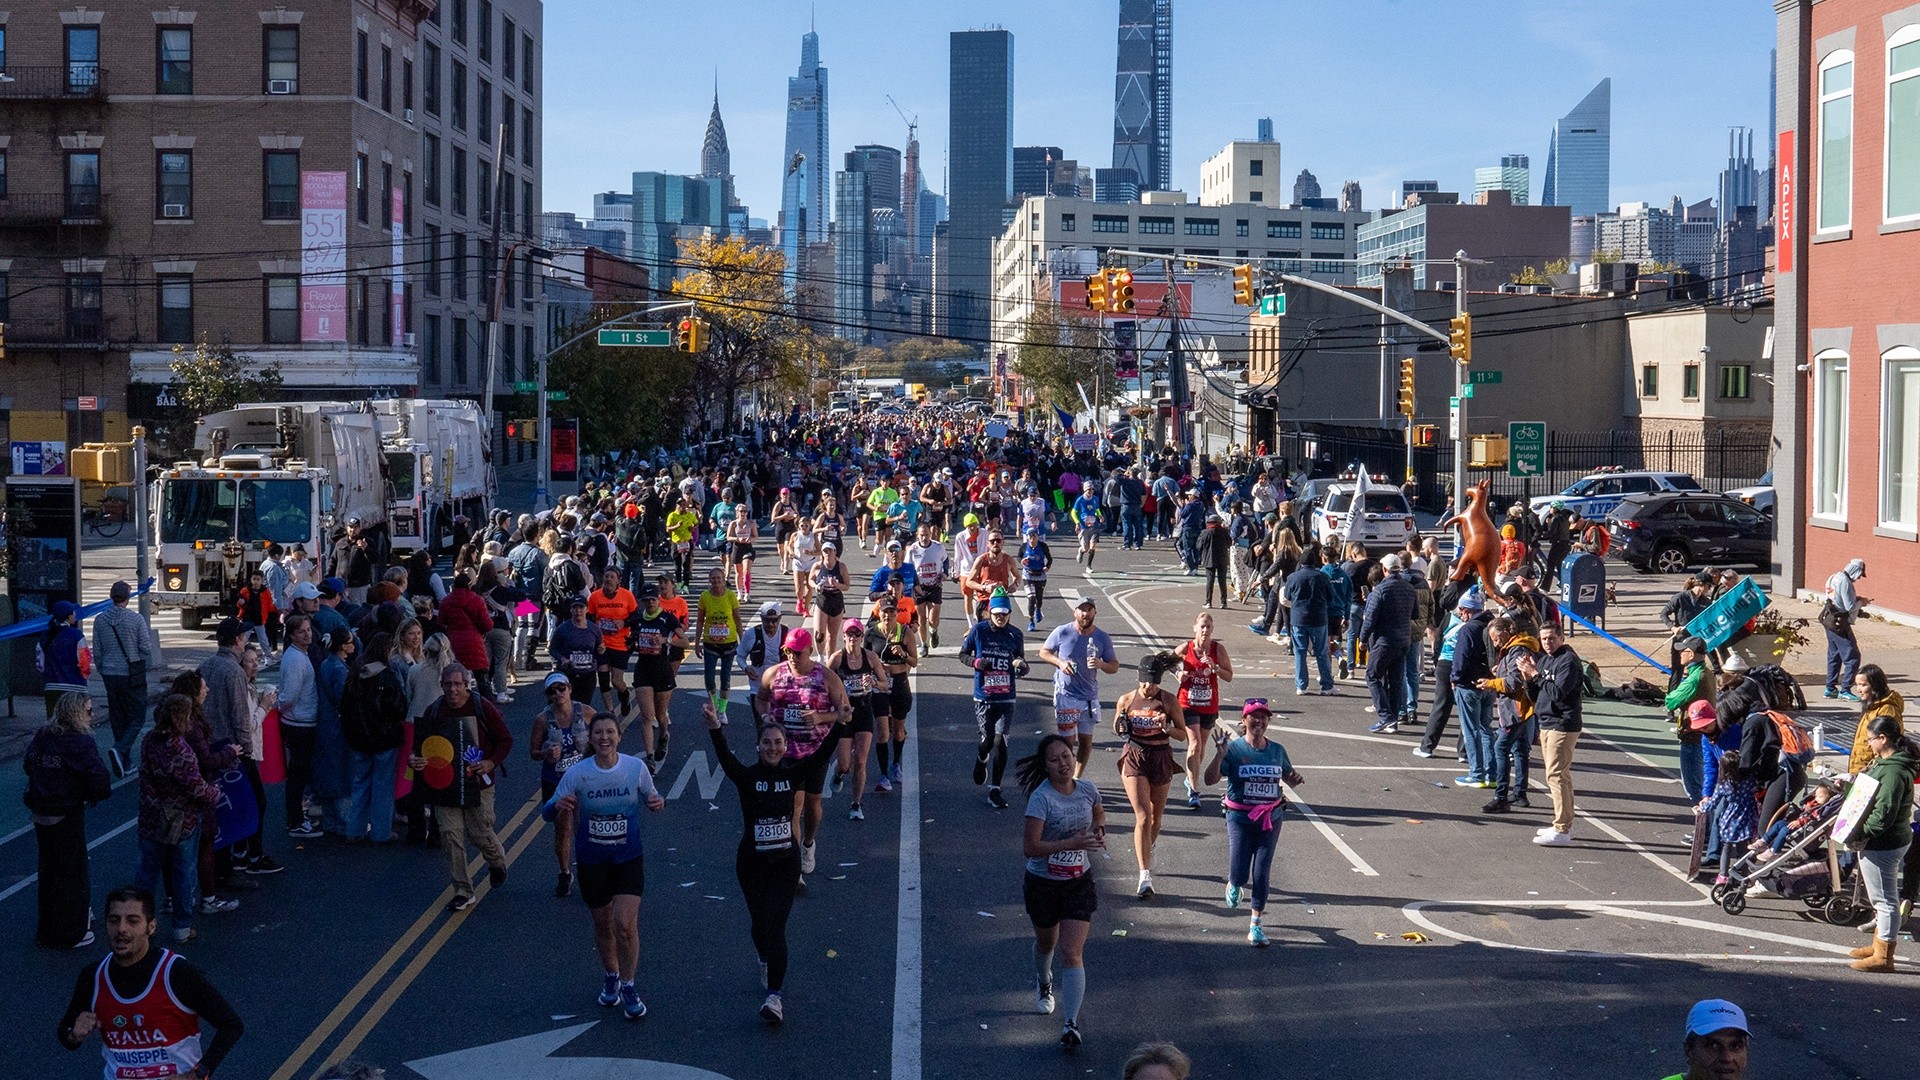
(1846, 357)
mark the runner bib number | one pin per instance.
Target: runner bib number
(1200, 695)
(1067, 718)
(718, 632)
(607, 829)
(996, 682)
(772, 835)
(608, 626)
(1066, 865)
(1260, 783)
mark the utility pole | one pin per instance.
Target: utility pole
(495, 297)
(142, 525)
(1176, 362)
(1459, 418)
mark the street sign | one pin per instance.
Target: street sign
(87, 404)
(1466, 391)
(556, 395)
(526, 387)
(1453, 421)
(1484, 376)
(634, 339)
(1526, 448)
(1273, 304)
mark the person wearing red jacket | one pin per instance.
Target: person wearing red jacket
(464, 617)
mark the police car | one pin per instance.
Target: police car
(1595, 496)
(1379, 519)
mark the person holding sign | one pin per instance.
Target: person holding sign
(1064, 826)
(1883, 835)
(1254, 767)
(603, 795)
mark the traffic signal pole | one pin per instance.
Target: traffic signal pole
(1458, 420)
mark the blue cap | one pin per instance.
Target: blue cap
(999, 602)
(62, 610)
(333, 585)
(1473, 599)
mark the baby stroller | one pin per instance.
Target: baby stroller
(1806, 868)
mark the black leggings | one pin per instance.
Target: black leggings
(1442, 704)
(769, 882)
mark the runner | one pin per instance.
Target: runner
(805, 699)
(929, 559)
(659, 644)
(716, 633)
(933, 501)
(1086, 514)
(766, 862)
(900, 654)
(760, 646)
(830, 523)
(880, 510)
(806, 555)
(893, 565)
(1148, 718)
(1203, 667)
(682, 521)
(575, 649)
(829, 598)
(992, 572)
(1036, 558)
(786, 522)
(1254, 767)
(865, 679)
(147, 1004)
(858, 494)
(558, 745)
(968, 545)
(1064, 824)
(603, 794)
(996, 652)
(741, 533)
(611, 609)
(1079, 652)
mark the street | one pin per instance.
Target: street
(911, 949)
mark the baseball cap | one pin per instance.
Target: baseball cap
(1255, 705)
(1390, 561)
(1716, 1014)
(226, 633)
(577, 601)
(1526, 572)
(893, 545)
(771, 607)
(1692, 643)
(649, 592)
(62, 610)
(999, 602)
(1085, 602)
(829, 546)
(1700, 717)
(304, 590)
(554, 679)
(800, 641)
(854, 626)
(337, 585)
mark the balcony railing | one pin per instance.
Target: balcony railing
(80, 326)
(66, 82)
(78, 206)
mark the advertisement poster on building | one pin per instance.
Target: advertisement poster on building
(1126, 350)
(323, 256)
(39, 458)
(397, 275)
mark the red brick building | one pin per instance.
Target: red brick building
(1847, 345)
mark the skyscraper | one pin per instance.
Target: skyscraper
(1143, 93)
(807, 134)
(795, 217)
(1740, 180)
(980, 173)
(1579, 156)
(852, 263)
(1305, 186)
(716, 162)
(1350, 195)
(1033, 169)
(1513, 175)
(882, 166)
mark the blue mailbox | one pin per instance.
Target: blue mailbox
(1583, 585)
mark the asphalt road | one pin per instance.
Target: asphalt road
(911, 951)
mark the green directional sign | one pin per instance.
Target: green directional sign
(1273, 304)
(1484, 376)
(1466, 391)
(556, 395)
(635, 339)
(526, 388)
(1526, 448)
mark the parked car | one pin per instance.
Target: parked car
(1759, 496)
(1380, 519)
(1668, 532)
(1594, 496)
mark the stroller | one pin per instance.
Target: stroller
(1806, 868)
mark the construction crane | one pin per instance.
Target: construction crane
(913, 124)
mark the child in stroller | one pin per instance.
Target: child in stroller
(1791, 820)
(1795, 862)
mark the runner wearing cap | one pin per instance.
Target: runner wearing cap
(865, 679)
(1079, 651)
(1036, 558)
(759, 648)
(829, 524)
(933, 500)
(558, 742)
(996, 651)
(786, 522)
(968, 545)
(1716, 1042)
(716, 635)
(806, 700)
(656, 634)
(1086, 514)
(928, 556)
(611, 608)
(995, 571)
(829, 598)
(1254, 767)
(1148, 718)
(900, 654)
(893, 564)
(575, 649)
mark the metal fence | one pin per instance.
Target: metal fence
(1718, 459)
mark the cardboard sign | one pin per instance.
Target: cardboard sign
(1854, 807)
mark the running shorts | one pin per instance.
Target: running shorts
(1155, 763)
(1204, 720)
(831, 602)
(584, 684)
(1075, 716)
(614, 660)
(742, 552)
(927, 594)
(601, 882)
(654, 673)
(902, 694)
(1049, 901)
(862, 721)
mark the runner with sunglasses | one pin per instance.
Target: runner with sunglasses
(1254, 767)
(558, 741)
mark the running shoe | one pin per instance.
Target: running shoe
(884, 786)
(1829, 692)
(854, 813)
(263, 865)
(979, 771)
(806, 858)
(771, 1011)
(1256, 936)
(1043, 998)
(1848, 695)
(995, 799)
(630, 1002)
(1146, 885)
(1384, 727)
(610, 989)
(895, 774)
(460, 903)
(1466, 781)
(1372, 709)
(1329, 692)
(1422, 752)
(1070, 1035)
(214, 905)
(563, 887)
(1233, 896)
(936, 639)
(1193, 799)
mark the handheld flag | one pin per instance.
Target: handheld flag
(1066, 418)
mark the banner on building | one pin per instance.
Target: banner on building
(1126, 350)
(37, 458)
(1786, 214)
(397, 273)
(323, 256)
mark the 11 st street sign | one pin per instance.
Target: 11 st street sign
(1526, 448)
(635, 339)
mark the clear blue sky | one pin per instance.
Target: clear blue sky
(1373, 90)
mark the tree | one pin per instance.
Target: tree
(1541, 275)
(753, 339)
(624, 398)
(210, 379)
(1059, 355)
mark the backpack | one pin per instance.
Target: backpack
(1794, 743)
(1590, 683)
(1778, 689)
(374, 713)
(564, 584)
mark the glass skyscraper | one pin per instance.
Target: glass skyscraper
(1580, 154)
(1143, 93)
(807, 134)
(980, 173)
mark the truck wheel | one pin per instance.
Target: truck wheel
(190, 618)
(1670, 559)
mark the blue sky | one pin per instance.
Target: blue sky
(1373, 90)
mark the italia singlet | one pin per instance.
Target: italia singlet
(149, 1035)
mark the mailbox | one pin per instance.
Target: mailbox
(1583, 585)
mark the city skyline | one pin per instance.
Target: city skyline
(1354, 130)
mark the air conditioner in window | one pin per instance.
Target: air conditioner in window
(174, 210)
(280, 86)
(408, 340)
(409, 116)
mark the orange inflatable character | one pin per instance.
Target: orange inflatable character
(1479, 554)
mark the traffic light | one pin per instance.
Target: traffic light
(1423, 434)
(524, 430)
(1243, 287)
(3, 341)
(1120, 291)
(683, 335)
(1406, 386)
(697, 336)
(1460, 340)
(1097, 291)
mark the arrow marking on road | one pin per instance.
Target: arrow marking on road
(532, 1055)
(708, 780)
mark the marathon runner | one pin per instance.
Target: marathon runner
(829, 598)
(992, 572)
(760, 646)
(603, 795)
(865, 679)
(1203, 667)
(805, 548)
(1148, 718)
(786, 522)
(806, 700)
(1086, 515)
(1064, 826)
(928, 557)
(829, 524)
(900, 654)
(1079, 652)
(741, 533)
(858, 494)
(933, 501)
(1255, 767)
(682, 521)
(996, 652)
(575, 649)
(611, 608)
(558, 741)
(716, 633)
(1036, 558)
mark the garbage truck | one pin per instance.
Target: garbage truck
(438, 471)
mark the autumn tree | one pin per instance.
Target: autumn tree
(753, 339)
(1059, 355)
(209, 379)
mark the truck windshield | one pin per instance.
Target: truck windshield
(400, 472)
(195, 510)
(276, 510)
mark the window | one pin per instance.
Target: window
(83, 59)
(1830, 435)
(459, 350)
(1283, 230)
(174, 189)
(280, 190)
(506, 48)
(1240, 227)
(4, 306)
(459, 93)
(528, 272)
(1900, 439)
(1903, 125)
(1255, 196)
(360, 188)
(406, 203)
(283, 309)
(460, 21)
(430, 169)
(459, 181)
(1736, 380)
(83, 184)
(483, 97)
(1203, 226)
(526, 62)
(3, 174)
(430, 349)
(1157, 226)
(385, 195)
(84, 322)
(483, 187)
(459, 267)
(175, 62)
(527, 218)
(1256, 167)
(406, 83)
(1690, 382)
(386, 79)
(430, 78)
(483, 22)
(360, 65)
(1328, 231)
(526, 345)
(1649, 380)
(506, 121)
(3, 46)
(282, 65)
(1109, 223)
(1068, 223)
(176, 309)
(1834, 208)
(526, 136)
(430, 257)
(361, 316)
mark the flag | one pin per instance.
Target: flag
(1066, 418)
(1362, 483)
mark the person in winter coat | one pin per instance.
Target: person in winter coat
(1842, 609)
(1513, 711)
(331, 771)
(1885, 834)
(65, 774)
(1553, 680)
(174, 798)
(423, 689)
(1310, 603)
(466, 620)
(1386, 625)
(1693, 684)
(123, 647)
(1877, 699)
(1734, 805)
(1215, 551)
(1473, 664)
(373, 720)
(63, 657)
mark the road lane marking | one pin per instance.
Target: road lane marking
(907, 948)
(1360, 865)
(1626, 909)
(91, 844)
(707, 780)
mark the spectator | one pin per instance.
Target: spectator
(1691, 684)
(1310, 602)
(463, 789)
(62, 656)
(467, 622)
(1843, 607)
(331, 771)
(64, 775)
(1156, 1061)
(1386, 625)
(1214, 551)
(1472, 664)
(1681, 608)
(174, 798)
(1554, 680)
(299, 711)
(1510, 642)
(123, 646)
(1877, 699)
(373, 720)
(1885, 834)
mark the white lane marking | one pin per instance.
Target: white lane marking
(96, 842)
(1635, 846)
(696, 770)
(1626, 909)
(907, 961)
(1389, 740)
(27, 828)
(1359, 864)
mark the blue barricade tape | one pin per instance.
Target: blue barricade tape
(1664, 669)
(36, 625)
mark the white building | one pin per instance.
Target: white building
(1247, 171)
